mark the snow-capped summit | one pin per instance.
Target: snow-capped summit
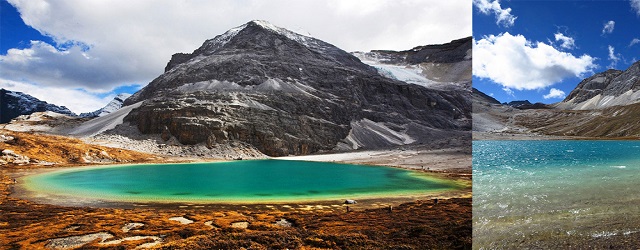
(111, 107)
(14, 104)
(242, 55)
(212, 45)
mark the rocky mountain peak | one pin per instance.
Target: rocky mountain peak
(480, 97)
(605, 89)
(252, 54)
(285, 93)
(111, 107)
(258, 35)
(592, 86)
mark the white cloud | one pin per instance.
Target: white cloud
(75, 100)
(635, 4)
(613, 57)
(565, 41)
(516, 63)
(71, 68)
(554, 93)
(509, 91)
(634, 41)
(608, 27)
(120, 42)
(503, 16)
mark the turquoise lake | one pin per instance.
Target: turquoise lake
(555, 194)
(236, 181)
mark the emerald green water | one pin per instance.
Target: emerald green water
(236, 181)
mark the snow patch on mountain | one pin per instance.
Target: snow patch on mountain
(413, 74)
(409, 74)
(210, 85)
(599, 101)
(103, 123)
(111, 107)
(367, 132)
(212, 45)
(273, 84)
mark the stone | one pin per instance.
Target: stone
(182, 220)
(129, 226)
(9, 152)
(283, 223)
(241, 225)
(77, 241)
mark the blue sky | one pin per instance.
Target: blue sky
(540, 50)
(81, 53)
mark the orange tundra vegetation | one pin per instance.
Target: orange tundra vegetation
(422, 224)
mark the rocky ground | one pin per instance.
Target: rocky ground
(494, 121)
(411, 224)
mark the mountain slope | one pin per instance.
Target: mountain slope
(428, 66)
(286, 93)
(111, 107)
(14, 104)
(605, 105)
(605, 89)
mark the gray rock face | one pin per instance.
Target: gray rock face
(610, 84)
(14, 104)
(443, 66)
(592, 86)
(453, 52)
(285, 93)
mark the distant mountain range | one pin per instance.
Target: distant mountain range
(14, 104)
(111, 107)
(606, 104)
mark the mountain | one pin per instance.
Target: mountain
(428, 66)
(111, 107)
(489, 115)
(606, 89)
(480, 97)
(285, 93)
(14, 104)
(605, 105)
(516, 104)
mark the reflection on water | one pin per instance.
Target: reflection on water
(555, 193)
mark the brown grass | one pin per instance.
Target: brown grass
(619, 122)
(65, 151)
(28, 225)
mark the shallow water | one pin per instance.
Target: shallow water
(555, 193)
(236, 181)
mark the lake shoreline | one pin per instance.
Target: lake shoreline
(29, 189)
(452, 164)
(447, 215)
